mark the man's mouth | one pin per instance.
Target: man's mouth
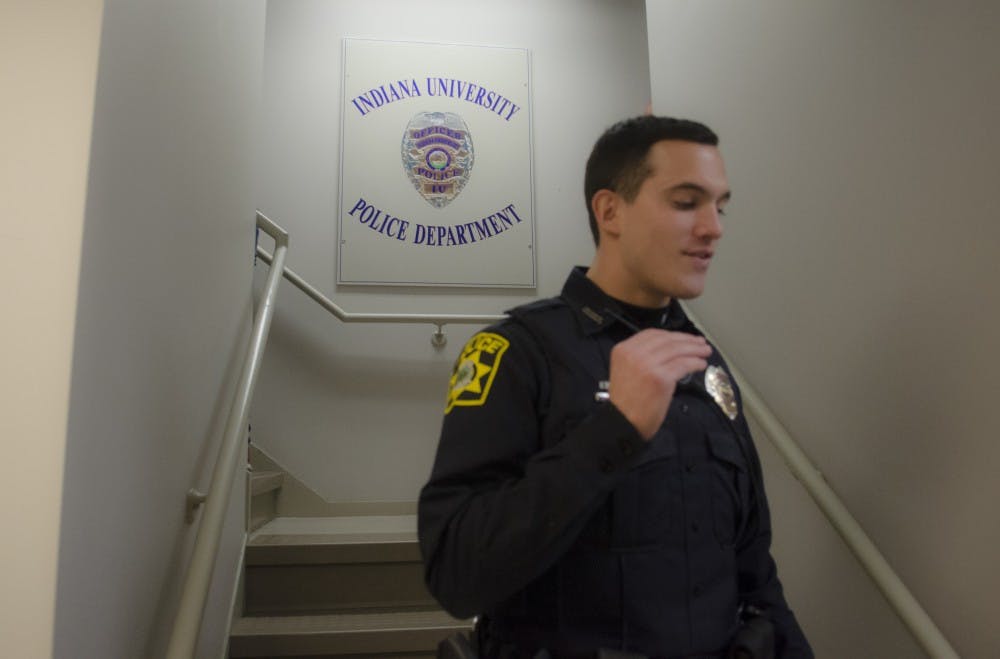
(704, 255)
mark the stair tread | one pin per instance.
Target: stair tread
(336, 530)
(346, 623)
(332, 540)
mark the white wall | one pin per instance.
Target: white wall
(163, 309)
(339, 403)
(856, 285)
(48, 70)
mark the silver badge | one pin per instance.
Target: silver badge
(437, 155)
(718, 385)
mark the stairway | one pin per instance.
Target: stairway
(349, 587)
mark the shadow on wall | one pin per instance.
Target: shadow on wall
(349, 375)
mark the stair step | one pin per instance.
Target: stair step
(407, 633)
(374, 525)
(328, 565)
(317, 540)
(262, 482)
(264, 486)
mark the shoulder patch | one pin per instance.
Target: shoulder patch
(475, 370)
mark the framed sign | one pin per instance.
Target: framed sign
(436, 166)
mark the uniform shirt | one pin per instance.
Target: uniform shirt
(549, 516)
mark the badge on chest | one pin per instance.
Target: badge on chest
(720, 388)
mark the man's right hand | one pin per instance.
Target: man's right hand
(645, 369)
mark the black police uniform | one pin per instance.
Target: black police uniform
(549, 516)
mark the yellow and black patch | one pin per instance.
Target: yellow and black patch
(475, 370)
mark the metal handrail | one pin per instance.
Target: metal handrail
(194, 592)
(199, 574)
(348, 317)
(893, 589)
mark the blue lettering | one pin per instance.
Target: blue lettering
(387, 227)
(482, 228)
(432, 175)
(439, 140)
(469, 226)
(365, 101)
(420, 234)
(510, 207)
(462, 89)
(436, 130)
(377, 97)
(361, 204)
(504, 219)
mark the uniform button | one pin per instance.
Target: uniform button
(606, 466)
(684, 408)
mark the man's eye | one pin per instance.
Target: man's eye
(684, 204)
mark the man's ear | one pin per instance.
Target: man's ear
(606, 205)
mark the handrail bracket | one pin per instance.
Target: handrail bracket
(192, 502)
(439, 338)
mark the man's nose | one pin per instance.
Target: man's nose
(709, 224)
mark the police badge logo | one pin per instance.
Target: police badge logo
(718, 385)
(475, 370)
(437, 156)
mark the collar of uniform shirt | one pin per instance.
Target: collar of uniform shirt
(623, 320)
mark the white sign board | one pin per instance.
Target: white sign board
(436, 167)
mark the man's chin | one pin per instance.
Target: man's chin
(688, 292)
(696, 285)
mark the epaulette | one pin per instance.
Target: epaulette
(537, 306)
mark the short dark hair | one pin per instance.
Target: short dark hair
(618, 159)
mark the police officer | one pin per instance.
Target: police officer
(595, 488)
